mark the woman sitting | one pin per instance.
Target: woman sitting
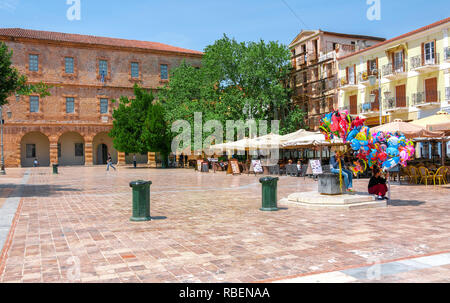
(377, 184)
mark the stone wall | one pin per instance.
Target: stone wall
(85, 86)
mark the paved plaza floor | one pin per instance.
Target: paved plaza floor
(208, 228)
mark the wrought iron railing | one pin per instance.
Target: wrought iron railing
(447, 53)
(417, 61)
(426, 97)
(396, 102)
(392, 69)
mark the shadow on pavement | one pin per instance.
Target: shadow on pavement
(36, 190)
(158, 218)
(405, 203)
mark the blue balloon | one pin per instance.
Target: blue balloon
(355, 145)
(391, 163)
(352, 135)
(392, 151)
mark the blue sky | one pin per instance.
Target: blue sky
(196, 23)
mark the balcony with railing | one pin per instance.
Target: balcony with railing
(330, 55)
(363, 77)
(312, 56)
(396, 103)
(348, 84)
(368, 108)
(447, 54)
(396, 71)
(424, 64)
(345, 49)
(428, 99)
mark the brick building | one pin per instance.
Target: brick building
(314, 75)
(71, 126)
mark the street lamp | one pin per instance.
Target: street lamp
(2, 170)
(373, 80)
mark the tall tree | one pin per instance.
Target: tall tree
(237, 81)
(11, 81)
(139, 125)
(155, 133)
(128, 121)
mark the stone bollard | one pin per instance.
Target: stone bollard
(55, 169)
(141, 200)
(269, 193)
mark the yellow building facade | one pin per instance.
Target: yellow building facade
(407, 77)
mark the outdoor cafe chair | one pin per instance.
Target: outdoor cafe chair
(425, 175)
(414, 175)
(405, 174)
(292, 170)
(441, 175)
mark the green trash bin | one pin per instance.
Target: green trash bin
(55, 169)
(269, 193)
(141, 200)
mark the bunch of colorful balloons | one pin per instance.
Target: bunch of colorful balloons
(385, 150)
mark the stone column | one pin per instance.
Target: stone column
(88, 151)
(121, 159)
(151, 160)
(53, 152)
(18, 155)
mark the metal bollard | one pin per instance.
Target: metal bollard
(55, 169)
(141, 200)
(269, 193)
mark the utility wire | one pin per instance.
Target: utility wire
(293, 12)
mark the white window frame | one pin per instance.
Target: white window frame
(429, 55)
(351, 75)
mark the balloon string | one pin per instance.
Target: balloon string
(340, 175)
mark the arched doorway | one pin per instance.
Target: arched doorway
(34, 145)
(71, 149)
(102, 154)
(101, 146)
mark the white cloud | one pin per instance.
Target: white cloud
(9, 5)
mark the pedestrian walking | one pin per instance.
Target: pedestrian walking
(134, 161)
(35, 163)
(182, 160)
(109, 163)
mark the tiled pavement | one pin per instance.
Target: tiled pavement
(208, 228)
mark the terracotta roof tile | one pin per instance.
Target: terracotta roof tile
(430, 26)
(85, 39)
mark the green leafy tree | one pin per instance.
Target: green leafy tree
(237, 81)
(156, 134)
(139, 125)
(128, 121)
(11, 81)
